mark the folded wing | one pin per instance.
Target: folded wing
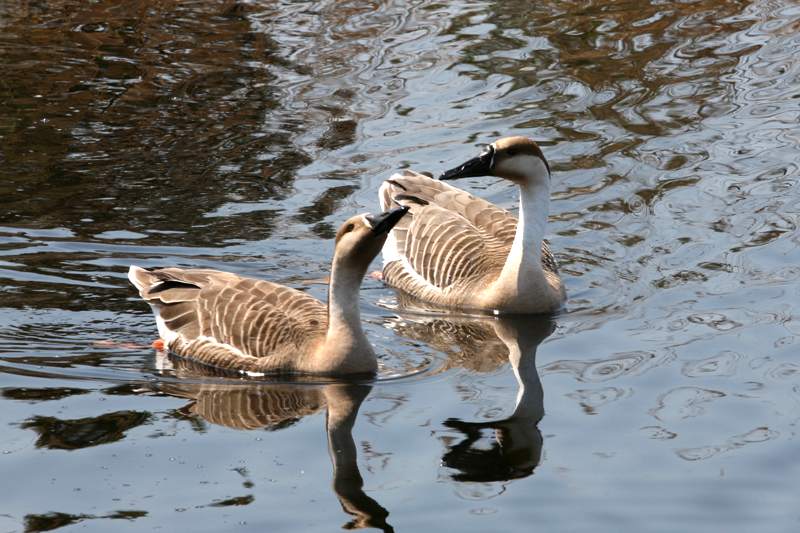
(215, 316)
(448, 239)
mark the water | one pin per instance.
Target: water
(238, 135)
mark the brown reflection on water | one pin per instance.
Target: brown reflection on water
(484, 346)
(139, 111)
(255, 406)
(35, 523)
(40, 395)
(74, 434)
(149, 115)
(607, 61)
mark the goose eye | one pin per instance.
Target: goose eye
(349, 228)
(511, 152)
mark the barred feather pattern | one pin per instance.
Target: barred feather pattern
(472, 345)
(451, 244)
(227, 321)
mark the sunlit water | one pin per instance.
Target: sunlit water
(238, 135)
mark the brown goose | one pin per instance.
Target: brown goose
(459, 251)
(255, 326)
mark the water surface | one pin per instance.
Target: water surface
(238, 135)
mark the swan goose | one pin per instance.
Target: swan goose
(458, 251)
(257, 327)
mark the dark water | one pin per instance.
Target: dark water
(238, 135)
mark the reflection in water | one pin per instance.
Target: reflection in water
(483, 345)
(248, 406)
(50, 521)
(193, 81)
(40, 395)
(58, 434)
(192, 132)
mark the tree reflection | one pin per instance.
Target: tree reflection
(60, 434)
(50, 521)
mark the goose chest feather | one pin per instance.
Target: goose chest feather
(458, 251)
(256, 326)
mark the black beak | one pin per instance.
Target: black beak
(477, 166)
(384, 222)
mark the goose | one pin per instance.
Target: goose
(257, 327)
(458, 251)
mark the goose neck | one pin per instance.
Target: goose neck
(345, 349)
(344, 317)
(523, 265)
(534, 208)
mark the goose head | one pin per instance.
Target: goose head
(361, 237)
(517, 159)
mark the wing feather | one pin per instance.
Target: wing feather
(449, 237)
(212, 315)
(445, 240)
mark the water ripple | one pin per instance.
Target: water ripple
(722, 364)
(604, 369)
(237, 135)
(684, 402)
(757, 435)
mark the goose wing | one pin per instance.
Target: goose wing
(449, 237)
(218, 317)
(497, 225)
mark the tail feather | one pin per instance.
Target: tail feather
(162, 285)
(140, 278)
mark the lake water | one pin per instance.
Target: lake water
(239, 135)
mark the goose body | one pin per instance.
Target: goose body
(255, 326)
(455, 250)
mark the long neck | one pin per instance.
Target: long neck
(345, 338)
(343, 310)
(524, 263)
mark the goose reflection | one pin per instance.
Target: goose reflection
(483, 345)
(248, 406)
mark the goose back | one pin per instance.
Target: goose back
(450, 245)
(229, 321)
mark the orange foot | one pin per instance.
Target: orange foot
(158, 344)
(376, 275)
